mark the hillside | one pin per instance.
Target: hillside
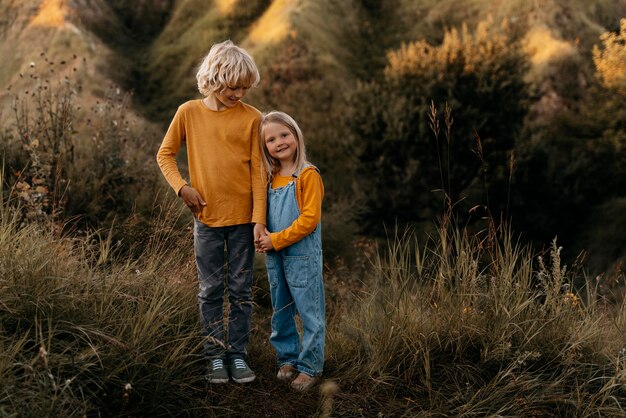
(313, 56)
(153, 47)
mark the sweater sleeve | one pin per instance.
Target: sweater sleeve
(258, 178)
(312, 194)
(166, 156)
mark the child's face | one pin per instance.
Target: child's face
(231, 95)
(280, 142)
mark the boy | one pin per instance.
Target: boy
(227, 196)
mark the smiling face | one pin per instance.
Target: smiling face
(284, 152)
(280, 143)
(231, 95)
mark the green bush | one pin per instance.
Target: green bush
(573, 170)
(481, 78)
(65, 163)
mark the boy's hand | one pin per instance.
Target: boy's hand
(265, 244)
(192, 199)
(259, 231)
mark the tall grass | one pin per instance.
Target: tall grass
(466, 323)
(477, 325)
(458, 325)
(83, 331)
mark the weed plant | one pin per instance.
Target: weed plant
(74, 159)
(85, 332)
(460, 325)
(473, 323)
(476, 326)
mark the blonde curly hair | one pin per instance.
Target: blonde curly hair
(226, 65)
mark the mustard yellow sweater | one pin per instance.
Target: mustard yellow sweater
(224, 161)
(309, 195)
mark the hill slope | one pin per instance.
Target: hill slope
(153, 47)
(312, 54)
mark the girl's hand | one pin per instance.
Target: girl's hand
(265, 243)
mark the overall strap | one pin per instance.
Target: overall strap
(304, 167)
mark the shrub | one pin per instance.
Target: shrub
(610, 61)
(582, 154)
(481, 77)
(65, 162)
(46, 137)
(475, 325)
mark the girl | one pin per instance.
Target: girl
(293, 248)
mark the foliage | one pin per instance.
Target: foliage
(480, 76)
(46, 137)
(76, 166)
(602, 240)
(582, 154)
(610, 61)
(476, 325)
(83, 331)
(464, 325)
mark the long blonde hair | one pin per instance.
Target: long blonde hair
(272, 165)
(226, 65)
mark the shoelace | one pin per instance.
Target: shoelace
(240, 364)
(218, 364)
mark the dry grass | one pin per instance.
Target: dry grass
(459, 325)
(79, 325)
(476, 325)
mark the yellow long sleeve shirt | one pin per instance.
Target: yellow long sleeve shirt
(309, 195)
(224, 161)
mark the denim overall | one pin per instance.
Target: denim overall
(295, 277)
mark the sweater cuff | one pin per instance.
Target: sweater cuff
(258, 219)
(275, 241)
(179, 186)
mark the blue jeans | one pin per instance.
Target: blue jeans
(224, 253)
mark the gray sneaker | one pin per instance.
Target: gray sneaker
(240, 372)
(217, 373)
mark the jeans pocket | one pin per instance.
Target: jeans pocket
(270, 266)
(297, 270)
